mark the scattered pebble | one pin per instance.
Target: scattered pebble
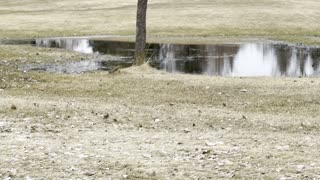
(89, 173)
(186, 131)
(106, 116)
(29, 178)
(279, 170)
(243, 90)
(208, 151)
(13, 107)
(283, 148)
(300, 168)
(147, 155)
(214, 143)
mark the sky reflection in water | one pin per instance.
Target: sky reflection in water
(253, 59)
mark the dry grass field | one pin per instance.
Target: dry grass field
(292, 20)
(140, 123)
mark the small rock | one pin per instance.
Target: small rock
(208, 87)
(106, 116)
(283, 148)
(157, 120)
(171, 104)
(279, 170)
(300, 168)
(12, 172)
(147, 155)
(33, 129)
(125, 176)
(13, 107)
(244, 117)
(243, 90)
(214, 144)
(89, 173)
(186, 131)
(208, 151)
(5, 130)
(29, 178)
(224, 104)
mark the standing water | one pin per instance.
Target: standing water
(244, 59)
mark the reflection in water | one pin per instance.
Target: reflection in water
(294, 65)
(255, 59)
(78, 45)
(308, 69)
(167, 57)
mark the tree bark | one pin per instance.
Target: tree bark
(141, 32)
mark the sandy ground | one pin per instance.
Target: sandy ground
(139, 123)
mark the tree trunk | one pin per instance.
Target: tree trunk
(141, 32)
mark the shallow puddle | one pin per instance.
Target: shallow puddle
(252, 59)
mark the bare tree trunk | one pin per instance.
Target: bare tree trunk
(141, 33)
